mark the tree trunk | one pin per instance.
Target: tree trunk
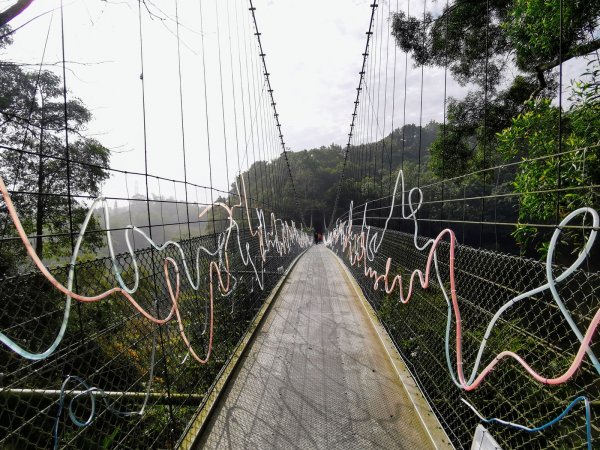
(12, 12)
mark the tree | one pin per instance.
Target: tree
(13, 11)
(370, 174)
(507, 50)
(479, 42)
(533, 134)
(33, 158)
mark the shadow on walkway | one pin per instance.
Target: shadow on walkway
(316, 376)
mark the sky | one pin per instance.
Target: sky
(313, 53)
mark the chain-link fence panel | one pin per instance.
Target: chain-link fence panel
(116, 379)
(534, 328)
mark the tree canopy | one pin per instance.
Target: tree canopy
(317, 172)
(508, 52)
(50, 180)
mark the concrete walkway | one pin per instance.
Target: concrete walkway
(316, 376)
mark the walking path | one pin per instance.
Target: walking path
(317, 375)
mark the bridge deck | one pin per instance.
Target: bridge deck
(317, 375)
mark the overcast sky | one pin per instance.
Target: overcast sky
(314, 53)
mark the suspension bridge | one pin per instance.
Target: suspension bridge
(173, 275)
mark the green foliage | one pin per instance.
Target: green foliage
(533, 136)
(458, 39)
(33, 160)
(317, 172)
(507, 50)
(469, 36)
(533, 29)
(481, 43)
(107, 441)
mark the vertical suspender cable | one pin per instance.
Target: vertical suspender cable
(233, 89)
(421, 102)
(145, 135)
(393, 111)
(67, 154)
(385, 97)
(270, 91)
(485, 107)
(446, 13)
(207, 120)
(222, 100)
(560, 128)
(360, 84)
(254, 124)
(66, 124)
(404, 102)
(185, 183)
(237, 23)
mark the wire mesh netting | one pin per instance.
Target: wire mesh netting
(144, 124)
(117, 362)
(144, 217)
(534, 328)
(470, 188)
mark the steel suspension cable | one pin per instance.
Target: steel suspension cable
(356, 103)
(222, 101)
(276, 114)
(180, 77)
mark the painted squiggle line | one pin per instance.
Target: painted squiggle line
(290, 236)
(90, 393)
(361, 247)
(588, 419)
